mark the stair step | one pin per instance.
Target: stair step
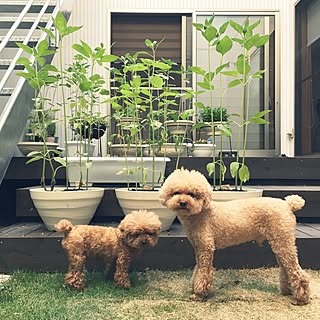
(14, 39)
(17, 6)
(174, 251)
(7, 21)
(6, 91)
(44, 18)
(4, 63)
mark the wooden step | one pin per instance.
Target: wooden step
(30, 246)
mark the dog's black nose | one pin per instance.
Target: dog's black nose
(143, 242)
(183, 204)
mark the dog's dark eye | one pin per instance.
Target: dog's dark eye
(191, 194)
(176, 193)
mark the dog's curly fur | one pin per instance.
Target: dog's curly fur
(117, 245)
(211, 225)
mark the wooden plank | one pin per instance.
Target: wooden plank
(309, 230)
(301, 234)
(11, 227)
(40, 232)
(22, 231)
(314, 226)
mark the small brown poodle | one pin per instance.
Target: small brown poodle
(118, 246)
(211, 225)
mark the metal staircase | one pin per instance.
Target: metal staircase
(19, 22)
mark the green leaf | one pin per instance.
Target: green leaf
(162, 65)
(25, 75)
(223, 27)
(60, 23)
(236, 26)
(156, 81)
(87, 48)
(42, 47)
(70, 30)
(226, 130)
(251, 41)
(234, 83)
(244, 173)
(220, 68)
(242, 66)
(60, 160)
(109, 58)
(258, 120)
(40, 157)
(210, 33)
(48, 32)
(254, 25)
(209, 77)
(24, 47)
(210, 168)
(24, 61)
(262, 41)
(198, 70)
(50, 67)
(148, 43)
(231, 73)
(234, 166)
(198, 26)
(81, 49)
(205, 85)
(224, 45)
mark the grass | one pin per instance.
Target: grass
(238, 294)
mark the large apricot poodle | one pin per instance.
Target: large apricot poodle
(117, 245)
(211, 225)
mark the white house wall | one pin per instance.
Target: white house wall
(93, 15)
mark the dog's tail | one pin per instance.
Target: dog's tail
(64, 225)
(295, 202)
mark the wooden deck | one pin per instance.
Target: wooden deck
(30, 246)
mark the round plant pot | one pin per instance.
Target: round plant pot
(130, 200)
(201, 150)
(229, 195)
(171, 150)
(78, 206)
(179, 127)
(27, 147)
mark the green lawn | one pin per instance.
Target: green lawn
(238, 294)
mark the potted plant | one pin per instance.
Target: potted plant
(54, 203)
(41, 127)
(221, 43)
(147, 90)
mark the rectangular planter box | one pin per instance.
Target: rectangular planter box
(106, 169)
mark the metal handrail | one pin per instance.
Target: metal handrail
(15, 25)
(6, 111)
(26, 40)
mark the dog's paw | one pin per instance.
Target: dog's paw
(195, 297)
(123, 283)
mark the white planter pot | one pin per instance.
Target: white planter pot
(149, 200)
(202, 150)
(27, 147)
(179, 127)
(105, 169)
(74, 148)
(171, 150)
(237, 195)
(78, 206)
